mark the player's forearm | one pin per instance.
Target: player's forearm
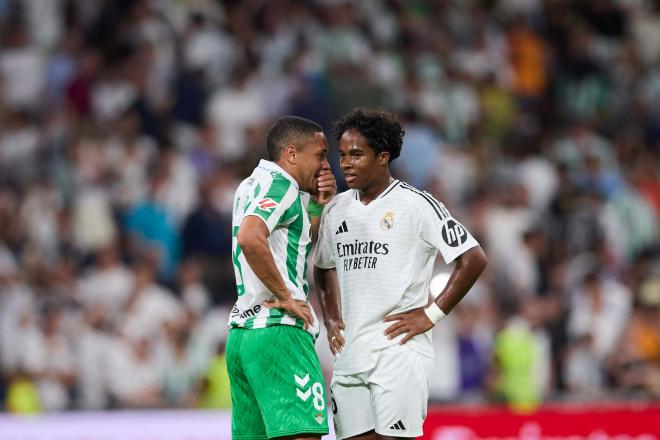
(327, 286)
(315, 221)
(466, 272)
(259, 257)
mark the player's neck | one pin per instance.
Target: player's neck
(289, 169)
(375, 188)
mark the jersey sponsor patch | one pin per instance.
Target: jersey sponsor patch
(267, 204)
(454, 234)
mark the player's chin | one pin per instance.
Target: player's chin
(352, 182)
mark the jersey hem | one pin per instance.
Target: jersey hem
(254, 214)
(326, 266)
(359, 370)
(341, 373)
(314, 336)
(475, 244)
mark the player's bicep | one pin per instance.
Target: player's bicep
(253, 225)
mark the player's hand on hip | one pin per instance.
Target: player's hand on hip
(327, 187)
(335, 330)
(295, 307)
(411, 323)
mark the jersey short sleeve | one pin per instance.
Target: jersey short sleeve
(442, 231)
(324, 256)
(271, 202)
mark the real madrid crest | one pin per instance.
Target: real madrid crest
(387, 222)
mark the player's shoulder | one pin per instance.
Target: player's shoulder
(420, 199)
(278, 179)
(274, 183)
(339, 200)
(247, 183)
(408, 192)
(269, 174)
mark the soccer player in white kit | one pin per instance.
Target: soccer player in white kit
(377, 247)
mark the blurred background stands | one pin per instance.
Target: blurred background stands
(126, 125)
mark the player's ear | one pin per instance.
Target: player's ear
(383, 158)
(289, 154)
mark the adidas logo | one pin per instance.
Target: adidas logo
(398, 426)
(342, 228)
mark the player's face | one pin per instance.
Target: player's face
(359, 162)
(310, 160)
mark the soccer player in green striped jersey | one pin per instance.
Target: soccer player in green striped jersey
(277, 388)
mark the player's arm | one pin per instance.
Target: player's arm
(253, 239)
(327, 286)
(327, 189)
(469, 266)
(315, 221)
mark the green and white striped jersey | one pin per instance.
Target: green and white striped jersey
(271, 194)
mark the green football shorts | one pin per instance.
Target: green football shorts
(277, 388)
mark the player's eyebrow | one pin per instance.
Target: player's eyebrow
(352, 149)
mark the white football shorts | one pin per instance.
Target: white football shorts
(391, 398)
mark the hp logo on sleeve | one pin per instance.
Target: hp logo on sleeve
(453, 233)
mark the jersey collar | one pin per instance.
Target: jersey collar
(386, 191)
(272, 166)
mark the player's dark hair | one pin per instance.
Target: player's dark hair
(382, 129)
(289, 130)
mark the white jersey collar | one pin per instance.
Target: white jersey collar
(395, 182)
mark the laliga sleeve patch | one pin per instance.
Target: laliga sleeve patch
(267, 204)
(454, 234)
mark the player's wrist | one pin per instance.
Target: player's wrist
(314, 209)
(331, 322)
(434, 313)
(284, 296)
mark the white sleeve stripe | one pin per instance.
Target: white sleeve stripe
(439, 209)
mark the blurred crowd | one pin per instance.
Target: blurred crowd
(126, 125)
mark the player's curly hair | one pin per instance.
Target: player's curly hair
(382, 129)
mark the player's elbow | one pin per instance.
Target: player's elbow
(476, 260)
(480, 259)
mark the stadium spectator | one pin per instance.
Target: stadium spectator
(532, 116)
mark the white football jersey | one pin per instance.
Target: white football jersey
(384, 254)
